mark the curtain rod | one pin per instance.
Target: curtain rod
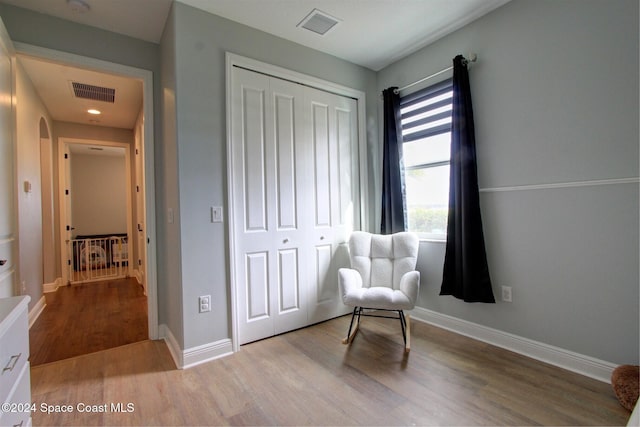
(473, 58)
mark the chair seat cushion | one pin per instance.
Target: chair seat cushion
(379, 297)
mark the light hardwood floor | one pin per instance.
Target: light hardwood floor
(82, 319)
(307, 377)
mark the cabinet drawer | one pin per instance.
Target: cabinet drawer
(20, 415)
(14, 353)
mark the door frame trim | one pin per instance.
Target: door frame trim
(12, 272)
(234, 60)
(146, 77)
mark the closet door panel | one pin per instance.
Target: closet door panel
(253, 156)
(347, 213)
(269, 163)
(321, 163)
(324, 283)
(334, 198)
(289, 138)
(252, 240)
(288, 279)
(345, 175)
(257, 286)
(285, 138)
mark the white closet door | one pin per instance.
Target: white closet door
(294, 176)
(7, 201)
(267, 167)
(333, 205)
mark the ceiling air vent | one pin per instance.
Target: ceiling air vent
(95, 93)
(318, 22)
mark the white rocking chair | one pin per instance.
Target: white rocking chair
(382, 277)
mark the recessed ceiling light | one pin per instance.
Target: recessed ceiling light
(94, 111)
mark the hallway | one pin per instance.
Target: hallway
(82, 319)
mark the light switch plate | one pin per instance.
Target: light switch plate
(216, 214)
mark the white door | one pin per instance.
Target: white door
(333, 206)
(267, 173)
(8, 226)
(290, 201)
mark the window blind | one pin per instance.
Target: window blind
(427, 112)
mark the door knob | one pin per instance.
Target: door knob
(3, 262)
(285, 241)
(321, 237)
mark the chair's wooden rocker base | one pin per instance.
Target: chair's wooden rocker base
(405, 324)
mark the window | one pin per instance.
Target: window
(426, 136)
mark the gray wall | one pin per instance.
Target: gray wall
(47, 31)
(169, 242)
(555, 94)
(30, 274)
(201, 40)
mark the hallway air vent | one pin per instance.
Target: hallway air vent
(318, 22)
(95, 93)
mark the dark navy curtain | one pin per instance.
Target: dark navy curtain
(466, 273)
(393, 211)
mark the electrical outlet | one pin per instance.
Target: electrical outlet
(506, 294)
(205, 303)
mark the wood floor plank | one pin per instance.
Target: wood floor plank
(308, 377)
(81, 319)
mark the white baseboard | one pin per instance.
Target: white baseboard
(190, 357)
(204, 353)
(138, 276)
(172, 344)
(37, 309)
(52, 287)
(571, 361)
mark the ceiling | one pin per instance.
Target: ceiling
(371, 33)
(119, 16)
(53, 83)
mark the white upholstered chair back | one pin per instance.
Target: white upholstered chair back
(383, 260)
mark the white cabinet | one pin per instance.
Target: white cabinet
(15, 381)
